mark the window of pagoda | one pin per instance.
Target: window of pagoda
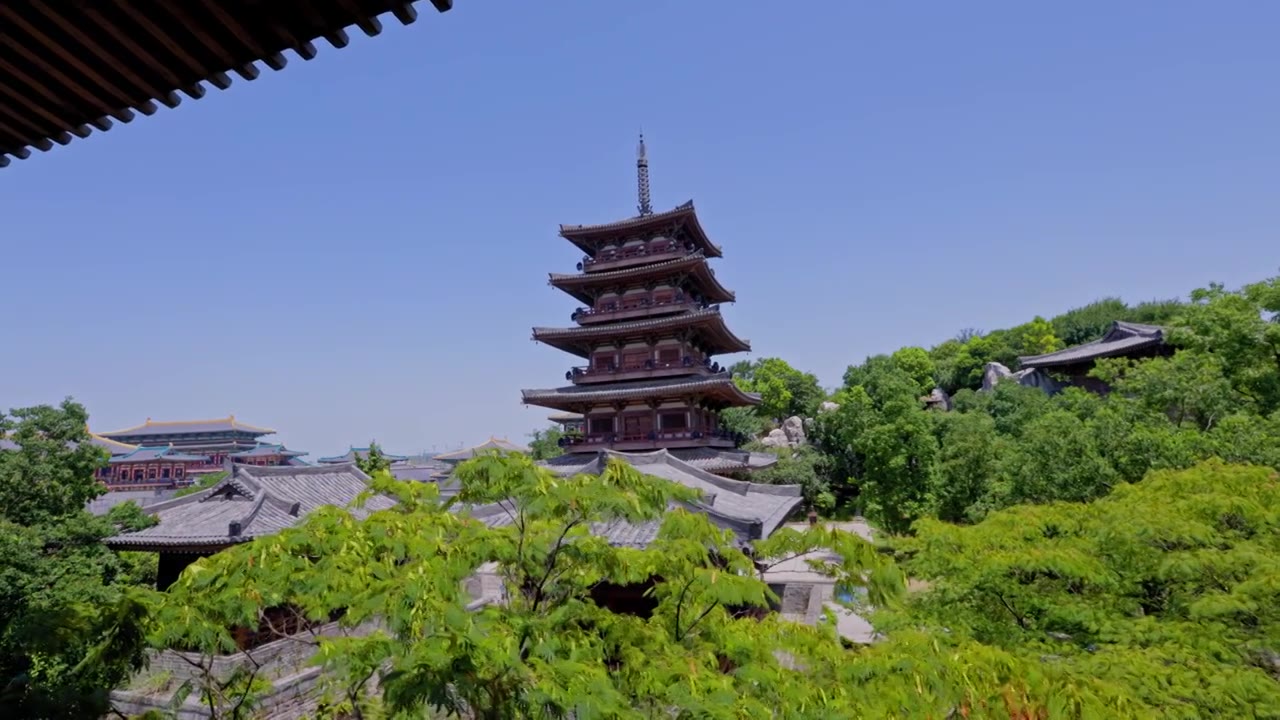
(165, 471)
(601, 425)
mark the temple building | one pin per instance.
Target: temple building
(217, 440)
(250, 502)
(145, 468)
(355, 453)
(492, 444)
(569, 422)
(1071, 366)
(648, 331)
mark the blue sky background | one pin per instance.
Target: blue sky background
(357, 246)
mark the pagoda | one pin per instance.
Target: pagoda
(647, 331)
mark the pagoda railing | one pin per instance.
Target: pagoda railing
(655, 438)
(606, 259)
(636, 306)
(646, 368)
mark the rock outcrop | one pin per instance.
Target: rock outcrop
(995, 372)
(790, 434)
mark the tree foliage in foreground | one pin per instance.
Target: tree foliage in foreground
(550, 651)
(68, 632)
(1166, 589)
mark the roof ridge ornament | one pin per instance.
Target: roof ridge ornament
(642, 178)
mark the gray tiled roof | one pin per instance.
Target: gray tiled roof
(358, 454)
(420, 471)
(263, 500)
(492, 443)
(638, 388)
(157, 452)
(183, 427)
(716, 460)
(266, 450)
(1122, 339)
(750, 510)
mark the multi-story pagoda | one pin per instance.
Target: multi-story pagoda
(648, 331)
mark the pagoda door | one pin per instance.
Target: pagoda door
(637, 426)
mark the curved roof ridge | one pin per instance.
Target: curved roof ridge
(680, 209)
(229, 419)
(689, 259)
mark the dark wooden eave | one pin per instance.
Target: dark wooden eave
(70, 66)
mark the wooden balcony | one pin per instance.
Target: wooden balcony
(655, 440)
(632, 256)
(647, 370)
(634, 307)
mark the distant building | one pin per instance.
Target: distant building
(216, 439)
(355, 453)
(250, 502)
(493, 443)
(1124, 339)
(151, 467)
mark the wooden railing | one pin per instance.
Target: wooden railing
(651, 436)
(635, 251)
(687, 362)
(635, 302)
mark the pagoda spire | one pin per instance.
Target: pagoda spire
(642, 178)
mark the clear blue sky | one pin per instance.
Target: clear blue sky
(357, 246)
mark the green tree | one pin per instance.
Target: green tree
(1088, 322)
(550, 650)
(970, 457)
(545, 444)
(1241, 329)
(68, 631)
(1033, 338)
(1163, 591)
(882, 445)
(917, 364)
(803, 465)
(374, 460)
(784, 390)
(744, 421)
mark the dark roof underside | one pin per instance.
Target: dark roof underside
(68, 67)
(681, 220)
(715, 388)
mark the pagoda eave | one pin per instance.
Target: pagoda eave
(587, 237)
(717, 390)
(708, 323)
(585, 286)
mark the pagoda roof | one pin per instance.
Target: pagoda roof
(159, 452)
(750, 511)
(563, 417)
(356, 453)
(179, 427)
(719, 386)
(683, 217)
(266, 450)
(713, 460)
(580, 340)
(250, 502)
(111, 446)
(695, 264)
(80, 64)
(489, 445)
(1122, 338)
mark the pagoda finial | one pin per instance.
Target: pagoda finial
(642, 178)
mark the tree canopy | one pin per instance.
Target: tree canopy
(68, 632)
